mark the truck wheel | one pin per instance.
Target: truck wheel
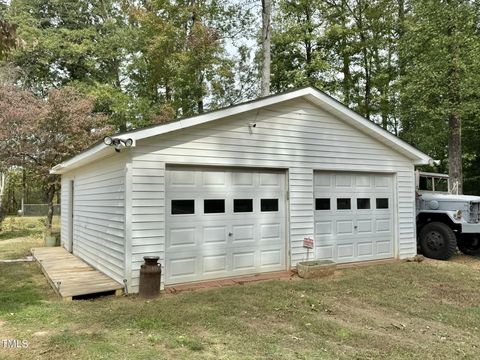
(469, 244)
(437, 241)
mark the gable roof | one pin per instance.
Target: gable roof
(311, 94)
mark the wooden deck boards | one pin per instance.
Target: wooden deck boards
(69, 276)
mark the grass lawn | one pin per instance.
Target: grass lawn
(20, 234)
(425, 310)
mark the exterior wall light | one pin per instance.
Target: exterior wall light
(117, 142)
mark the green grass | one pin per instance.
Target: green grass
(16, 227)
(20, 234)
(423, 310)
(398, 311)
(24, 286)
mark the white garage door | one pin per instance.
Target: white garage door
(353, 216)
(223, 223)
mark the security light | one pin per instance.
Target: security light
(107, 140)
(117, 142)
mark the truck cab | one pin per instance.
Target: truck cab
(445, 219)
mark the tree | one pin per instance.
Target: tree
(298, 49)
(41, 133)
(80, 44)
(8, 35)
(440, 87)
(266, 43)
(7, 38)
(344, 47)
(144, 62)
(179, 60)
(67, 41)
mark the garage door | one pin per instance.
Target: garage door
(353, 216)
(223, 223)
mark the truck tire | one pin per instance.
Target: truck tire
(437, 241)
(469, 244)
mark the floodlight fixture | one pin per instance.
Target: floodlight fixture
(107, 140)
(117, 142)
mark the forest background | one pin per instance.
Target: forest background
(69, 66)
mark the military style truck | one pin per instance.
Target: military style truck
(445, 219)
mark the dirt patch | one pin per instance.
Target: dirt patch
(41, 333)
(472, 262)
(381, 329)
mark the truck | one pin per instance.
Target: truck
(445, 219)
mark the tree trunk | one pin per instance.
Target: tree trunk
(50, 195)
(24, 186)
(455, 170)
(347, 75)
(3, 182)
(168, 94)
(366, 62)
(200, 78)
(200, 106)
(308, 44)
(266, 40)
(401, 32)
(386, 109)
(368, 90)
(347, 78)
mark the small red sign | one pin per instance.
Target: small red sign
(308, 243)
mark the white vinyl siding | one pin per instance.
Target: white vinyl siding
(148, 214)
(66, 217)
(99, 215)
(301, 211)
(295, 135)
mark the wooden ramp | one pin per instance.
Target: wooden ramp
(70, 276)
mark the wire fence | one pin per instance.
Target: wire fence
(38, 210)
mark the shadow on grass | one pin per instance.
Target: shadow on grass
(20, 284)
(7, 235)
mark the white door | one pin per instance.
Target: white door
(353, 216)
(223, 222)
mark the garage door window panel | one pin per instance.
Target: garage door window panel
(242, 205)
(267, 205)
(322, 204)
(214, 206)
(183, 207)
(344, 204)
(382, 203)
(363, 203)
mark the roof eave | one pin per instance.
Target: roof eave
(321, 99)
(424, 161)
(136, 135)
(83, 158)
(356, 120)
(218, 114)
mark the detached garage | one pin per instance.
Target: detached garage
(235, 192)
